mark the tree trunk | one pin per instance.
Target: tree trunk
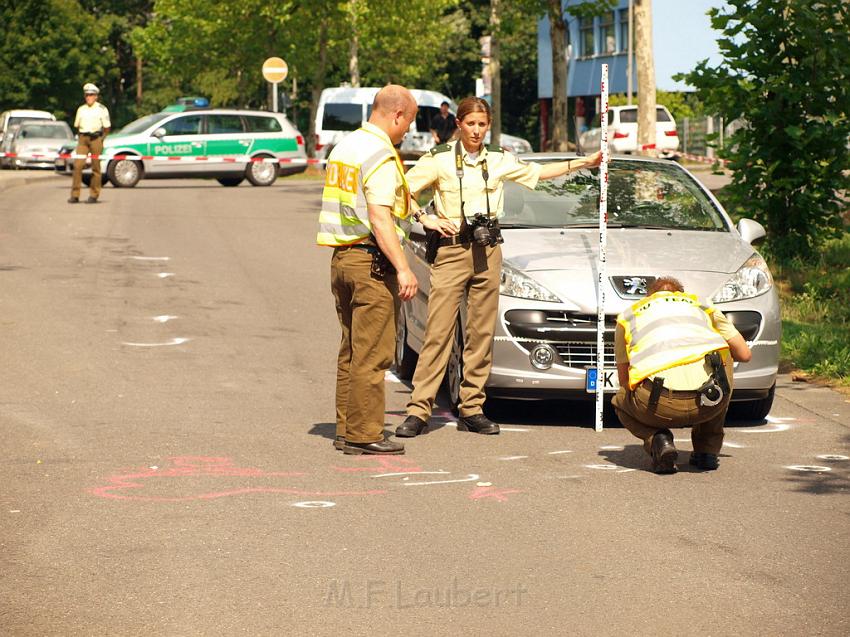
(353, 46)
(558, 37)
(318, 86)
(645, 77)
(139, 81)
(495, 75)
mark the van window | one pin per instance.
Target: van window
(424, 117)
(223, 124)
(189, 125)
(629, 116)
(342, 116)
(260, 124)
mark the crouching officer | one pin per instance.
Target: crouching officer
(92, 124)
(674, 362)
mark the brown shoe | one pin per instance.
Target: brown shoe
(73, 200)
(664, 452)
(91, 200)
(381, 448)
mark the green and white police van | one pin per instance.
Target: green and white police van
(225, 144)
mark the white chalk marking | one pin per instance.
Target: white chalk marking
(165, 275)
(154, 467)
(472, 477)
(832, 456)
(149, 258)
(164, 318)
(408, 473)
(314, 504)
(513, 457)
(391, 378)
(552, 453)
(776, 419)
(173, 341)
(733, 445)
(765, 429)
(14, 511)
(570, 477)
(501, 427)
(611, 448)
(809, 468)
(608, 467)
(484, 484)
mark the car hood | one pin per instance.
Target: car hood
(41, 142)
(565, 260)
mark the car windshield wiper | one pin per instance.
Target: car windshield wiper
(523, 226)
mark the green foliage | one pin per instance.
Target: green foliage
(786, 74)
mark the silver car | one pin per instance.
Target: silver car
(661, 221)
(36, 143)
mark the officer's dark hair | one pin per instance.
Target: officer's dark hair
(472, 105)
(665, 284)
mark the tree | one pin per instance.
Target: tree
(786, 74)
(645, 77)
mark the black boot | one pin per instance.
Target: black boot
(381, 448)
(704, 461)
(411, 427)
(478, 424)
(664, 452)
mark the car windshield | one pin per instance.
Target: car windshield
(640, 195)
(45, 131)
(142, 123)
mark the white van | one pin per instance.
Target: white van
(345, 109)
(623, 132)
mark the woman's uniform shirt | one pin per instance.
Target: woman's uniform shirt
(437, 168)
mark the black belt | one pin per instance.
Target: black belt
(95, 134)
(455, 239)
(366, 247)
(672, 393)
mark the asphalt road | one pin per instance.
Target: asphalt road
(166, 409)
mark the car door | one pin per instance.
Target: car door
(178, 137)
(226, 137)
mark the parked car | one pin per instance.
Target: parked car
(623, 131)
(37, 142)
(212, 134)
(662, 221)
(9, 122)
(345, 109)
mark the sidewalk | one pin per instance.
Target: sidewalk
(705, 175)
(12, 178)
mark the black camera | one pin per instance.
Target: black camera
(485, 230)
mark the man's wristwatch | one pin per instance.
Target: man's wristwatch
(418, 215)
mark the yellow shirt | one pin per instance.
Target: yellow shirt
(384, 185)
(684, 377)
(92, 119)
(438, 169)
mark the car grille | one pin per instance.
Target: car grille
(571, 334)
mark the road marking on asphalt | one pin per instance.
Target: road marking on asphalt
(165, 275)
(407, 473)
(164, 318)
(833, 457)
(149, 258)
(808, 468)
(314, 504)
(608, 467)
(552, 453)
(513, 457)
(173, 341)
(733, 445)
(611, 447)
(472, 477)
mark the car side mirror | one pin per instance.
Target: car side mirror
(751, 231)
(159, 133)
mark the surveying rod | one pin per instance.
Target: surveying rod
(603, 240)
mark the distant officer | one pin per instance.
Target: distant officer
(674, 362)
(365, 203)
(92, 124)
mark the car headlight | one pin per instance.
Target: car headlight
(752, 279)
(515, 283)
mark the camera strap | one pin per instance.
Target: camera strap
(485, 173)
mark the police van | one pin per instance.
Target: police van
(228, 145)
(345, 109)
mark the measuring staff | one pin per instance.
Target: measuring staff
(466, 259)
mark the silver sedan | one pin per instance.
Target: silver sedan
(661, 221)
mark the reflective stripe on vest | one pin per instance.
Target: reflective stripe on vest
(666, 330)
(344, 217)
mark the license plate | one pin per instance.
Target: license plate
(610, 381)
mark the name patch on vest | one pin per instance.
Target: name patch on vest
(342, 176)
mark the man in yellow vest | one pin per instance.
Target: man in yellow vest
(674, 363)
(365, 204)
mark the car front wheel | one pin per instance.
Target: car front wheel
(753, 410)
(124, 173)
(230, 182)
(262, 173)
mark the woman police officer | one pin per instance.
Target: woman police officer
(468, 179)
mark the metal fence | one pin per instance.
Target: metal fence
(694, 132)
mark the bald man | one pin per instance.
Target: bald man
(365, 203)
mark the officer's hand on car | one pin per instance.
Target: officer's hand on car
(445, 227)
(407, 284)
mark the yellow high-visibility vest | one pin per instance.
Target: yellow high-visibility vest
(666, 330)
(344, 218)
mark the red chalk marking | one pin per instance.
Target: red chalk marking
(479, 493)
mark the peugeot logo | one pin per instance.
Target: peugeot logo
(631, 287)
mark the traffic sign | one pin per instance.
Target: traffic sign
(275, 70)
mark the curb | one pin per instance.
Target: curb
(13, 181)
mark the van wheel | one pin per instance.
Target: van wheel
(262, 173)
(405, 357)
(125, 173)
(230, 182)
(454, 369)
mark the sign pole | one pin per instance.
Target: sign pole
(603, 240)
(275, 71)
(274, 96)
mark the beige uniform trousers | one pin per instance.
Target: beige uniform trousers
(367, 308)
(87, 146)
(459, 270)
(674, 410)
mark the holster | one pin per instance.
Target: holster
(432, 244)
